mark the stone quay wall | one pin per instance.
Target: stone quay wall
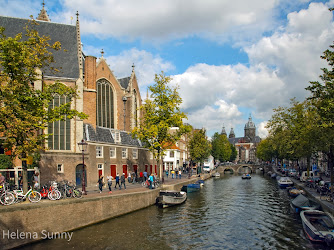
(27, 222)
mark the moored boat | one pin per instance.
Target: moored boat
(200, 182)
(285, 182)
(301, 202)
(193, 187)
(294, 192)
(318, 226)
(169, 198)
(217, 174)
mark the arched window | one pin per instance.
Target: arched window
(60, 131)
(105, 104)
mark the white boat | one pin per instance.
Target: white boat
(284, 182)
(217, 174)
(169, 198)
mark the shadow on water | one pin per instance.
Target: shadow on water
(227, 213)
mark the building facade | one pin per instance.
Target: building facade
(112, 106)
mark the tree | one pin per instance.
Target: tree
(234, 153)
(322, 97)
(24, 109)
(5, 162)
(221, 149)
(199, 146)
(160, 113)
(265, 150)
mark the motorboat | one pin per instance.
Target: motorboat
(285, 182)
(200, 182)
(246, 176)
(169, 198)
(217, 174)
(318, 226)
(194, 187)
(301, 202)
(294, 192)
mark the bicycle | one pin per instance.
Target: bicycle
(32, 195)
(69, 190)
(54, 193)
(7, 197)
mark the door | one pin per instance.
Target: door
(125, 170)
(135, 168)
(113, 171)
(146, 168)
(151, 169)
(100, 172)
(78, 175)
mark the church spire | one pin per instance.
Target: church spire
(223, 131)
(79, 47)
(43, 16)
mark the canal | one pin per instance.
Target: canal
(228, 213)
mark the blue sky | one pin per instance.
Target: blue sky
(229, 58)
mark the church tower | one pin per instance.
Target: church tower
(250, 128)
(43, 16)
(223, 131)
(232, 134)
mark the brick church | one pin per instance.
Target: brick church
(112, 105)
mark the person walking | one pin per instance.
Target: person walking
(151, 179)
(173, 173)
(117, 181)
(145, 175)
(180, 172)
(167, 173)
(100, 182)
(129, 178)
(35, 180)
(141, 177)
(123, 181)
(109, 178)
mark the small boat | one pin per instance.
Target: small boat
(200, 182)
(246, 176)
(169, 198)
(294, 192)
(301, 202)
(217, 174)
(318, 226)
(284, 182)
(192, 187)
(273, 175)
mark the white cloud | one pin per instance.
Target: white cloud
(166, 20)
(261, 130)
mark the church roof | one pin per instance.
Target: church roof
(250, 123)
(66, 59)
(124, 82)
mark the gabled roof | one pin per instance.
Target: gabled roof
(124, 82)
(66, 61)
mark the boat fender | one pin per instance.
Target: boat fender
(329, 239)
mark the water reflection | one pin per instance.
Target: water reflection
(228, 213)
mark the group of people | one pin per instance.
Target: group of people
(119, 181)
(174, 173)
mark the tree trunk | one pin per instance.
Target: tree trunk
(25, 176)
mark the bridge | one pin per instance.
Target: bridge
(239, 168)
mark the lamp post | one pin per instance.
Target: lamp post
(83, 146)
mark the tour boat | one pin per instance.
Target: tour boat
(318, 226)
(246, 176)
(169, 198)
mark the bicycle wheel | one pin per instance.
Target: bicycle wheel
(34, 196)
(77, 193)
(7, 198)
(144, 184)
(53, 195)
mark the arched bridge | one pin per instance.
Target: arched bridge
(239, 168)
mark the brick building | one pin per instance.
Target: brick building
(112, 105)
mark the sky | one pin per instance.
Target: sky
(229, 59)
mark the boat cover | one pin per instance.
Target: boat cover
(301, 201)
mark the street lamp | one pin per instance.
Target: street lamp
(83, 146)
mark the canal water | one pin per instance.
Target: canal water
(228, 213)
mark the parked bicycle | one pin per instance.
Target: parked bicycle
(54, 193)
(69, 190)
(6, 197)
(32, 195)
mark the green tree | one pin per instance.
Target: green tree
(24, 112)
(5, 162)
(199, 146)
(234, 153)
(322, 97)
(221, 149)
(265, 150)
(160, 113)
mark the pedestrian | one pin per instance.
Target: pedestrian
(145, 175)
(151, 179)
(20, 180)
(129, 177)
(173, 173)
(141, 176)
(2, 180)
(109, 178)
(180, 172)
(176, 174)
(122, 181)
(167, 173)
(100, 182)
(35, 180)
(134, 177)
(117, 181)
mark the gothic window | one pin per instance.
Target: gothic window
(105, 104)
(60, 131)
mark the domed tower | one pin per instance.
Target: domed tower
(232, 134)
(250, 128)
